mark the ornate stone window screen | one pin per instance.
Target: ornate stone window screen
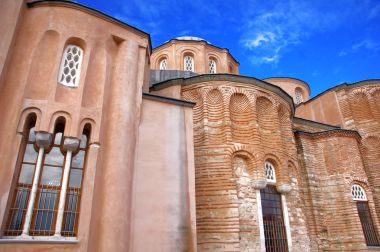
(358, 193)
(270, 173)
(212, 66)
(69, 71)
(163, 64)
(188, 63)
(299, 97)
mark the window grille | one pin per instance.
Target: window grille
(270, 173)
(163, 64)
(69, 72)
(274, 227)
(369, 230)
(212, 66)
(189, 63)
(358, 193)
(299, 97)
(23, 187)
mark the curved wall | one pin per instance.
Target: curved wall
(290, 86)
(175, 51)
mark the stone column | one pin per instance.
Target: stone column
(284, 189)
(43, 140)
(259, 184)
(69, 145)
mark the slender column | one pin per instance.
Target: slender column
(260, 219)
(283, 189)
(69, 145)
(259, 184)
(43, 140)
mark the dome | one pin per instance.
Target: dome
(192, 38)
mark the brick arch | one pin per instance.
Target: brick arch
(242, 118)
(269, 126)
(249, 164)
(215, 117)
(360, 106)
(94, 138)
(67, 117)
(159, 58)
(281, 169)
(198, 115)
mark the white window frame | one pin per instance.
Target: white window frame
(185, 65)
(270, 172)
(358, 193)
(163, 64)
(212, 66)
(65, 69)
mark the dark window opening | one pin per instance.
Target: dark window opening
(369, 230)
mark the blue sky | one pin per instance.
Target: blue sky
(323, 42)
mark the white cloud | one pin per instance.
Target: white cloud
(365, 44)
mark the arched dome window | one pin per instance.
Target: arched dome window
(71, 63)
(270, 173)
(369, 230)
(164, 64)
(211, 66)
(188, 63)
(298, 96)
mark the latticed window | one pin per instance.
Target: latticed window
(274, 227)
(46, 212)
(212, 66)
(270, 173)
(369, 230)
(163, 64)
(188, 63)
(299, 97)
(69, 71)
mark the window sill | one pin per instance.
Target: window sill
(39, 239)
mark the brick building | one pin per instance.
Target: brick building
(109, 145)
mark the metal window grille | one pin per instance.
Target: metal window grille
(189, 63)
(70, 66)
(369, 230)
(274, 227)
(24, 184)
(212, 66)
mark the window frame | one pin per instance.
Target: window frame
(61, 75)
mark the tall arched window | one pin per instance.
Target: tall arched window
(369, 230)
(74, 188)
(28, 154)
(163, 64)
(49, 186)
(273, 219)
(298, 95)
(211, 66)
(69, 71)
(188, 63)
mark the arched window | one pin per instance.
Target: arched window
(188, 63)
(273, 219)
(69, 71)
(369, 230)
(270, 173)
(298, 94)
(29, 153)
(212, 66)
(163, 64)
(74, 188)
(53, 170)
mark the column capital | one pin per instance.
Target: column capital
(284, 188)
(70, 144)
(43, 139)
(259, 184)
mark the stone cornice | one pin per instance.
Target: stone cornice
(240, 79)
(168, 100)
(314, 124)
(330, 133)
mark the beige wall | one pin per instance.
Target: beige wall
(175, 50)
(163, 193)
(289, 85)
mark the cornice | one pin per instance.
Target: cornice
(329, 133)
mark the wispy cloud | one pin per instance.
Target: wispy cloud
(277, 27)
(365, 44)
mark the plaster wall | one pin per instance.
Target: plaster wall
(289, 85)
(163, 193)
